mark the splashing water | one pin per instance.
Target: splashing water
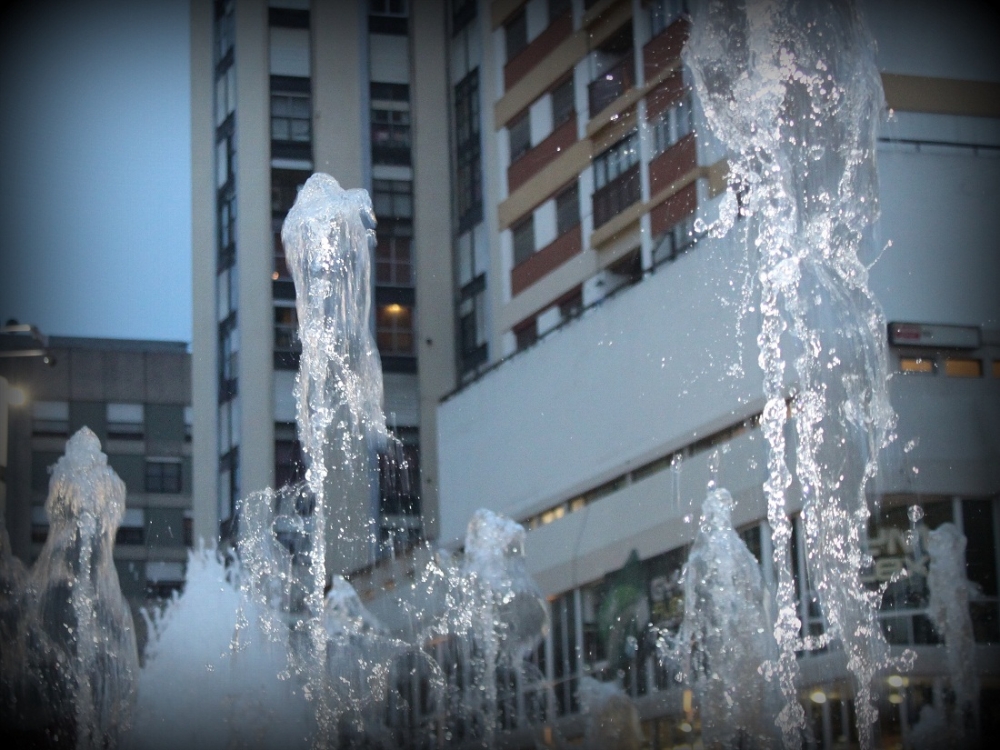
(726, 635)
(70, 663)
(948, 610)
(792, 90)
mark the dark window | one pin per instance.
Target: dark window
(468, 183)
(572, 305)
(462, 12)
(387, 7)
(562, 102)
(399, 475)
(287, 346)
(163, 476)
(558, 7)
(568, 209)
(291, 117)
(393, 255)
(394, 329)
(289, 467)
(224, 29)
(516, 33)
(526, 334)
(390, 130)
(662, 13)
(616, 179)
(390, 92)
(228, 357)
(392, 199)
(520, 136)
(285, 187)
(227, 229)
(524, 239)
(616, 160)
(673, 124)
(472, 324)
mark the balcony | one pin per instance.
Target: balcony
(535, 159)
(611, 84)
(665, 47)
(616, 196)
(537, 50)
(546, 260)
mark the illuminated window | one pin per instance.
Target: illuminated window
(916, 364)
(996, 368)
(394, 329)
(955, 367)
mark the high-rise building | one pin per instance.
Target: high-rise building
(281, 90)
(606, 373)
(136, 397)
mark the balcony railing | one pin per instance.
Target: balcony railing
(611, 84)
(616, 196)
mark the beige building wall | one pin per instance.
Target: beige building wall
(204, 344)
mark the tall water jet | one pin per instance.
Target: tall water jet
(948, 609)
(71, 663)
(792, 90)
(727, 634)
(328, 235)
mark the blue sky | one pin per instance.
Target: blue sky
(94, 168)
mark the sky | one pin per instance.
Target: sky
(95, 218)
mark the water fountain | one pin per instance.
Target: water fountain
(793, 92)
(289, 656)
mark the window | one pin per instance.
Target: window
(675, 240)
(289, 467)
(516, 34)
(523, 236)
(285, 187)
(50, 418)
(224, 29)
(287, 346)
(468, 180)
(225, 95)
(526, 334)
(962, 367)
(229, 353)
(519, 132)
(227, 229)
(387, 7)
(558, 7)
(399, 475)
(616, 179)
(133, 527)
(462, 12)
(392, 199)
(662, 13)
(394, 329)
(616, 160)
(917, 364)
(163, 475)
(390, 131)
(568, 209)
(291, 117)
(393, 255)
(225, 156)
(125, 421)
(389, 92)
(672, 125)
(563, 102)
(472, 324)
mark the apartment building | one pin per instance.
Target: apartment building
(135, 396)
(281, 90)
(606, 372)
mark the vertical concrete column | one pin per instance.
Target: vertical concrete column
(340, 91)
(254, 254)
(204, 329)
(432, 237)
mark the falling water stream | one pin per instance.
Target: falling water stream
(791, 89)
